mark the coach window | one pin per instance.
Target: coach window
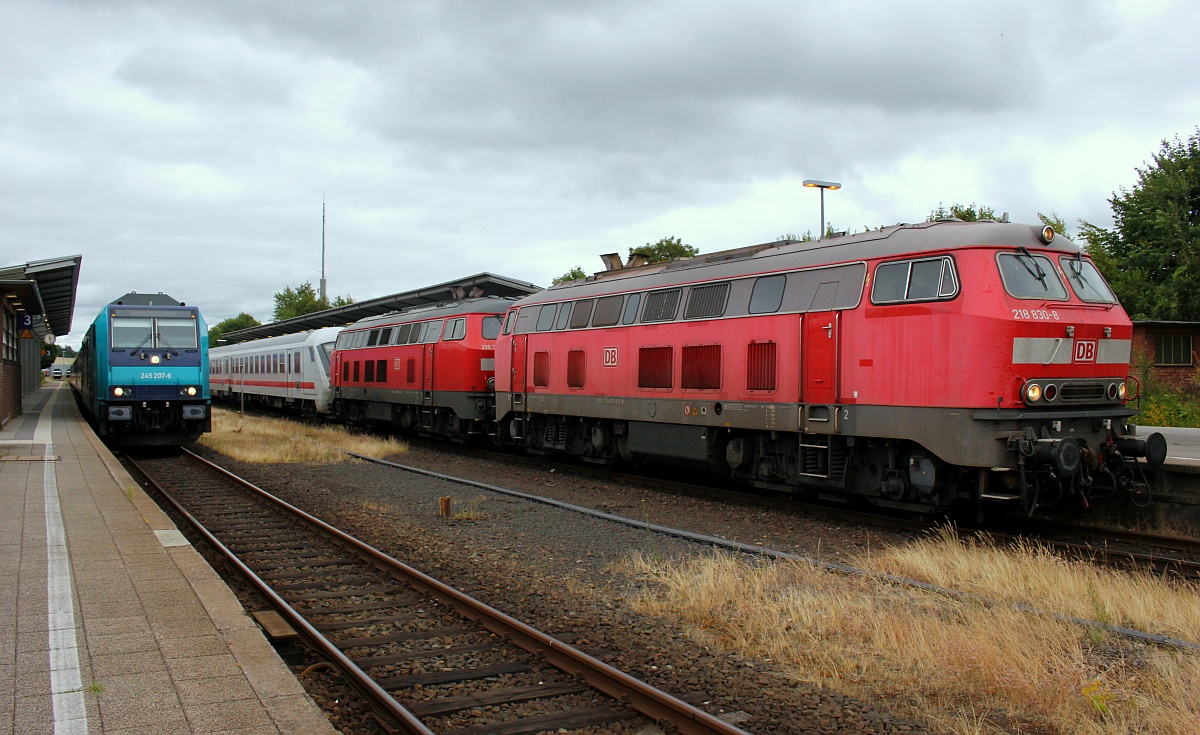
(1086, 281)
(1028, 276)
(608, 311)
(491, 327)
(631, 308)
(767, 295)
(581, 313)
(545, 320)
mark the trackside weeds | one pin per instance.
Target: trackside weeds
(966, 667)
(261, 439)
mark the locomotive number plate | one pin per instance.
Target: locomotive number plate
(1035, 314)
(154, 376)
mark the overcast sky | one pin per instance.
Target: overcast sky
(186, 146)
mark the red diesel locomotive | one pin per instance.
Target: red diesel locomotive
(913, 366)
(427, 370)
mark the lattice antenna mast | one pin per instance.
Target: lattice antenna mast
(323, 247)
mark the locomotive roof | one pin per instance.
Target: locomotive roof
(898, 240)
(484, 305)
(133, 298)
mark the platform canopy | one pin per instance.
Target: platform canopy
(482, 284)
(55, 281)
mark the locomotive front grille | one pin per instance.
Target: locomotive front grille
(1081, 392)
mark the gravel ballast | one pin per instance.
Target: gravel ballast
(557, 570)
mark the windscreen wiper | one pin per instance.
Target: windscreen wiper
(163, 341)
(1036, 271)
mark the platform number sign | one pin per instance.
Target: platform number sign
(1085, 350)
(610, 357)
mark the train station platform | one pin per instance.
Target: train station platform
(109, 621)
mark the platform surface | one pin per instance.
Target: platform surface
(109, 621)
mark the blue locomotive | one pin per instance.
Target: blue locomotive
(141, 377)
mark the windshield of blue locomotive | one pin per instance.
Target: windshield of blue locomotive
(137, 329)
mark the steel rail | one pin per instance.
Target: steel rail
(640, 696)
(376, 696)
(756, 550)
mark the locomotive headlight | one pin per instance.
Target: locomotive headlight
(155, 359)
(1033, 392)
(191, 390)
(118, 391)
(1122, 390)
(1047, 234)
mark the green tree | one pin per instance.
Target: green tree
(965, 212)
(1151, 257)
(50, 353)
(575, 274)
(668, 248)
(1055, 221)
(294, 302)
(232, 324)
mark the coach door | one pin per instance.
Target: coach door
(818, 357)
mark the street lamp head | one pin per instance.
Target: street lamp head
(816, 183)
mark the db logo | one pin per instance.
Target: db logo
(1085, 350)
(610, 357)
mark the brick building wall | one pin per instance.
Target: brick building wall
(1165, 354)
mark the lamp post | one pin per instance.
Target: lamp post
(822, 185)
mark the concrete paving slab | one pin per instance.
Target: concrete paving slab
(156, 641)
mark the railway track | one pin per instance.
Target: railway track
(427, 658)
(1164, 555)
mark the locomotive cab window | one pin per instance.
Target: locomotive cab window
(509, 318)
(929, 279)
(1028, 276)
(1086, 281)
(491, 327)
(129, 333)
(456, 329)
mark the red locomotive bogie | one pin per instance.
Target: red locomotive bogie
(427, 370)
(911, 366)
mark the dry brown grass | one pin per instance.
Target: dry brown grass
(966, 667)
(1034, 575)
(272, 440)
